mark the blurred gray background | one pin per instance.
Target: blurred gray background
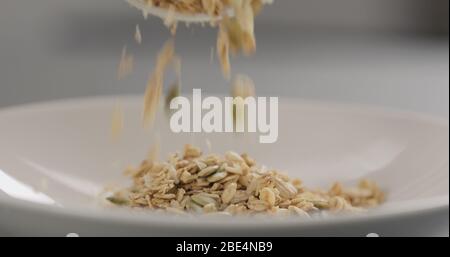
(378, 52)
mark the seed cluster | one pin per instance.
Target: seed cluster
(233, 184)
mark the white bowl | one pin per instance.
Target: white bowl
(56, 158)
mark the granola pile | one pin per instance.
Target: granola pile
(233, 184)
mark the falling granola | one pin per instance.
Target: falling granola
(233, 184)
(126, 64)
(243, 87)
(117, 121)
(156, 81)
(138, 35)
(235, 19)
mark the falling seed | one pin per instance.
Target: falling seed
(212, 54)
(174, 92)
(243, 86)
(155, 84)
(126, 64)
(117, 122)
(138, 35)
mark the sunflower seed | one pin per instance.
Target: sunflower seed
(208, 171)
(202, 199)
(286, 190)
(233, 157)
(267, 195)
(229, 192)
(235, 169)
(217, 176)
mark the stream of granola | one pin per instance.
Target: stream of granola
(236, 34)
(234, 184)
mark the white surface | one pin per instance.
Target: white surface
(59, 156)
